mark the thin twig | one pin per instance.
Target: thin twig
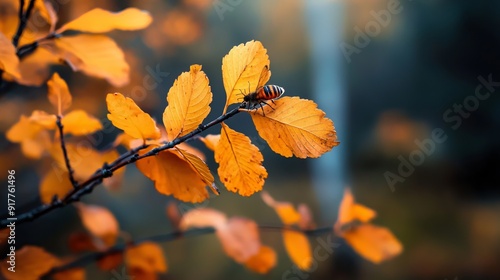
(89, 258)
(107, 170)
(23, 20)
(60, 126)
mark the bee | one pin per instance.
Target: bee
(263, 94)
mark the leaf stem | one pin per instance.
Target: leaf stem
(60, 126)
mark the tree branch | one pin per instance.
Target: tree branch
(23, 20)
(89, 258)
(74, 183)
(107, 171)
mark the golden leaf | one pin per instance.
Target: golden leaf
(295, 127)
(32, 262)
(9, 62)
(350, 211)
(147, 256)
(174, 175)
(374, 243)
(59, 95)
(211, 141)
(245, 68)
(95, 55)
(55, 182)
(188, 103)
(78, 122)
(298, 248)
(84, 159)
(285, 210)
(126, 115)
(201, 168)
(100, 21)
(263, 261)
(240, 163)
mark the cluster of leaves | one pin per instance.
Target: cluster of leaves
(292, 127)
(36, 43)
(239, 237)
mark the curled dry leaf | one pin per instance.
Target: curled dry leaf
(31, 263)
(9, 62)
(79, 122)
(174, 175)
(55, 182)
(95, 55)
(100, 21)
(126, 115)
(298, 248)
(240, 163)
(99, 221)
(211, 141)
(263, 261)
(295, 127)
(58, 93)
(374, 243)
(188, 103)
(245, 67)
(285, 210)
(147, 256)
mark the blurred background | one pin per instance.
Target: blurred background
(391, 74)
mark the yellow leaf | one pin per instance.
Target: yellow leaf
(298, 248)
(35, 68)
(101, 21)
(240, 163)
(78, 122)
(285, 210)
(350, 211)
(211, 141)
(84, 160)
(201, 168)
(245, 68)
(44, 119)
(99, 221)
(95, 55)
(147, 256)
(59, 95)
(188, 103)
(126, 115)
(263, 261)
(373, 243)
(9, 62)
(55, 182)
(295, 127)
(174, 175)
(31, 263)
(32, 136)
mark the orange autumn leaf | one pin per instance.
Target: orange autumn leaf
(350, 211)
(263, 261)
(147, 256)
(99, 221)
(58, 93)
(82, 241)
(211, 141)
(174, 175)
(35, 68)
(240, 162)
(137, 273)
(79, 122)
(374, 243)
(285, 210)
(32, 136)
(203, 217)
(127, 116)
(44, 119)
(110, 262)
(31, 263)
(100, 21)
(188, 103)
(95, 55)
(295, 127)
(192, 150)
(244, 68)
(298, 248)
(239, 238)
(84, 160)
(201, 168)
(77, 273)
(9, 62)
(55, 182)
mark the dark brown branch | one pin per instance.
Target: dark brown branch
(60, 126)
(23, 20)
(108, 169)
(90, 258)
